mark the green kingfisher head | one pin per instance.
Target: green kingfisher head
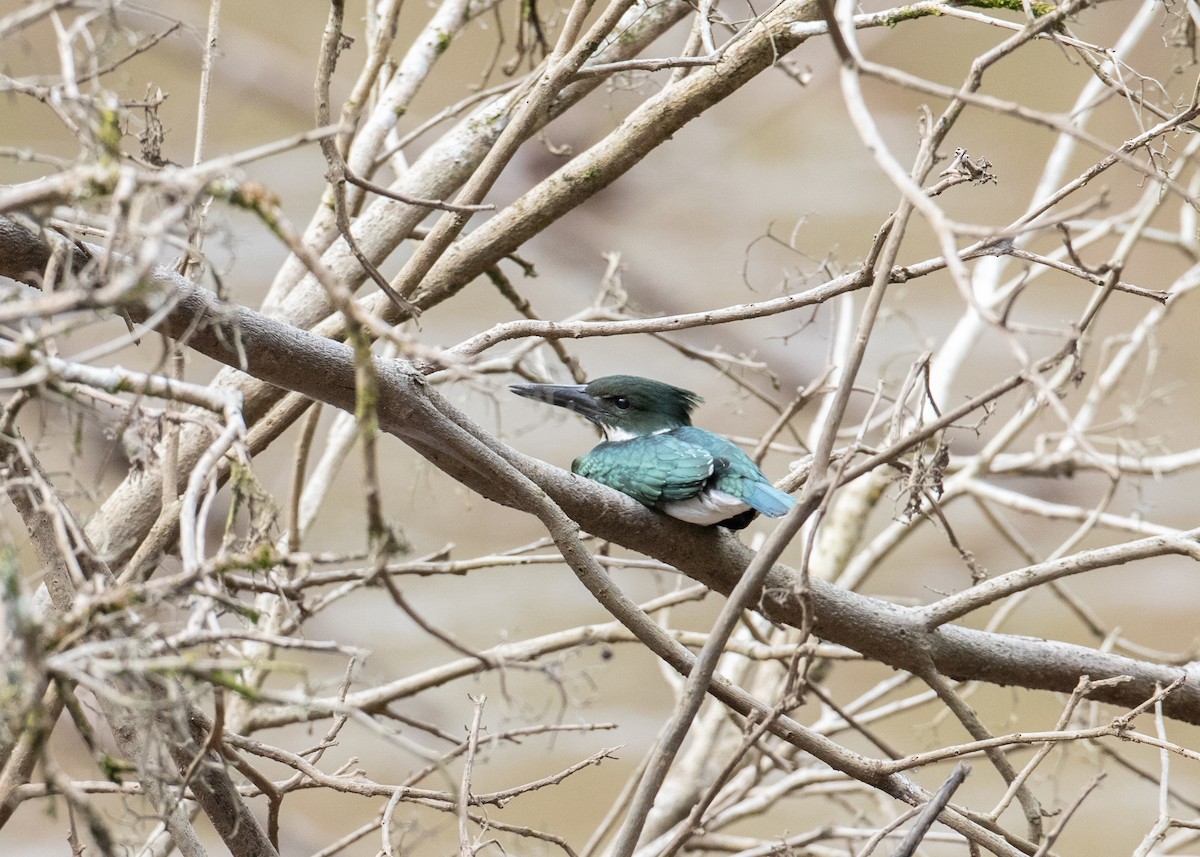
(624, 406)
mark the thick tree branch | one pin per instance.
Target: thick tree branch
(410, 410)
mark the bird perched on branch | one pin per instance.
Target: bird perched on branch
(652, 452)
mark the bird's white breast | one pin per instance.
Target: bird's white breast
(706, 508)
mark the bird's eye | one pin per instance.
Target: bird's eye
(621, 402)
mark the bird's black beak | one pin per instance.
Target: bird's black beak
(573, 397)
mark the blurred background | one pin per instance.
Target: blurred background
(767, 193)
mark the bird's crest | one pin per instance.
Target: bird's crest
(630, 397)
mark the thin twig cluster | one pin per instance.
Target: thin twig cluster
(181, 670)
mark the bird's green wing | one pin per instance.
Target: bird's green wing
(649, 469)
(736, 474)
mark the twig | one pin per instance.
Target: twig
(908, 845)
(464, 792)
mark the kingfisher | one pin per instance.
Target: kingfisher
(652, 452)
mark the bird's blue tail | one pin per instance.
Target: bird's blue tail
(768, 499)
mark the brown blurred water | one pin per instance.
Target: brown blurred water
(690, 224)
